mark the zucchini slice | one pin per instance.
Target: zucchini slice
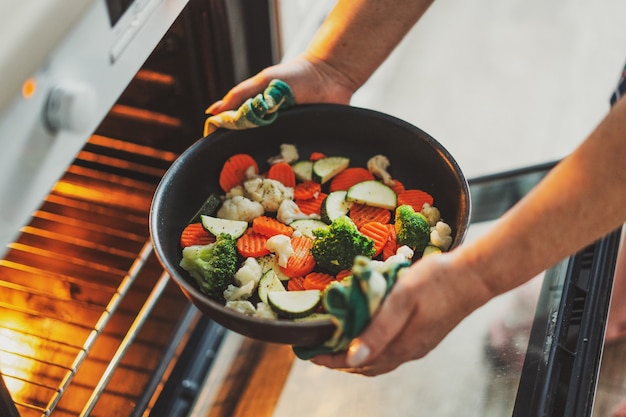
(294, 304)
(326, 168)
(306, 226)
(373, 193)
(335, 205)
(269, 282)
(217, 226)
(209, 207)
(431, 250)
(303, 170)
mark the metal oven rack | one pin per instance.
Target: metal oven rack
(83, 296)
(89, 323)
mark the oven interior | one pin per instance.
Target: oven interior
(89, 322)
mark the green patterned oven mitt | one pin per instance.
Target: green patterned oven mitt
(352, 302)
(256, 111)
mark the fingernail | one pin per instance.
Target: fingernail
(213, 106)
(357, 354)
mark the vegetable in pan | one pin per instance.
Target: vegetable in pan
(412, 228)
(285, 230)
(336, 246)
(213, 266)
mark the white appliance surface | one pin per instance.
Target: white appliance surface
(29, 32)
(63, 67)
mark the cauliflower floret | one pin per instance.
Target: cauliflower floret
(431, 213)
(264, 311)
(244, 307)
(281, 246)
(250, 271)
(288, 153)
(251, 173)
(288, 211)
(270, 193)
(403, 253)
(440, 236)
(270, 261)
(235, 191)
(378, 165)
(235, 293)
(240, 208)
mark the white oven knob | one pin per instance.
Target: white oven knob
(71, 106)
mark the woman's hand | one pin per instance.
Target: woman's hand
(427, 301)
(311, 80)
(352, 42)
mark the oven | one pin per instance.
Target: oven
(89, 322)
(100, 99)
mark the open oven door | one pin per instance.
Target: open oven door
(562, 363)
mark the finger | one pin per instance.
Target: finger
(239, 94)
(243, 91)
(214, 108)
(386, 325)
(337, 361)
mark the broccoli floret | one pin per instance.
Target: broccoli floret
(213, 266)
(412, 228)
(336, 246)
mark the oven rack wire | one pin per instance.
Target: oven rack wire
(84, 259)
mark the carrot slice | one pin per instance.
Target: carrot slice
(195, 234)
(282, 171)
(361, 214)
(269, 226)
(391, 246)
(301, 262)
(316, 156)
(295, 284)
(342, 274)
(398, 187)
(233, 172)
(312, 205)
(348, 177)
(252, 245)
(415, 198)
(307, 190)
(378, 232)
(317, 281)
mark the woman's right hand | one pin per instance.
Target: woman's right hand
(311, 80)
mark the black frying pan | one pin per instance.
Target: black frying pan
(417, 159)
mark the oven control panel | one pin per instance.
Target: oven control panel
(48, 117)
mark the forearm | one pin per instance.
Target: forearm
(358, 35)
(580, 200)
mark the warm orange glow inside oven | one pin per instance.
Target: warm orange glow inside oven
(109, 196)
(145, 115)
(14, 353)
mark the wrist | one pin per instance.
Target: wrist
(471, 276)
